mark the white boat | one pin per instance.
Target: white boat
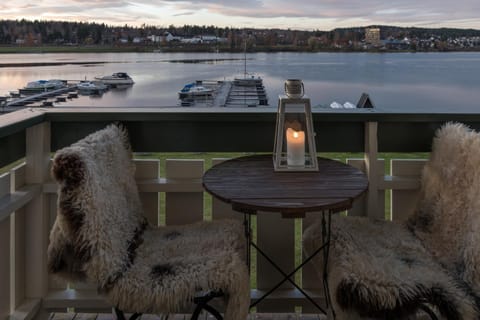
(42, 86)
(116, 79)
(248, 80)
(92, 87)
(193, 90)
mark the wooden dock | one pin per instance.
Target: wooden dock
(228, 94)
(26, 100)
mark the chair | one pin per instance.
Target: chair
(389, 270)
(100, 236)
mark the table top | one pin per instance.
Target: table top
(250, 184)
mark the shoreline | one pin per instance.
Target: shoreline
(210, 49)
(45, 64)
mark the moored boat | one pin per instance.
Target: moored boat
(248, 80)
(192, 90)
(116, 79)
(42, 86)
(91, 87)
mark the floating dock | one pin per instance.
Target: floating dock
(26, 100)
(248, 92)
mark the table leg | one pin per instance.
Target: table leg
(248, 235)
(325, 247)
(326, 233)
(286, 277)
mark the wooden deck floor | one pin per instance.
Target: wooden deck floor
(252, 316)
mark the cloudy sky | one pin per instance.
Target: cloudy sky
(294, 14)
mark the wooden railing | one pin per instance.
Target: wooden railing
(175, 196)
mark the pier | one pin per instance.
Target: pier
(26, 100)
(45, 99)
(247, 92)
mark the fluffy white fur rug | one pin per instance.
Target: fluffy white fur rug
(101, 236)
(385, 270)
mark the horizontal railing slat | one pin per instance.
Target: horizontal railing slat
(398, 183)
(71, 298)
(16, 200)
(27, 310)
(153, 185)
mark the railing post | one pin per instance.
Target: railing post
(5, 254)
(36, 212)
(372, 170)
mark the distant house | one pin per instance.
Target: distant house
(155, 38)
(394, 44)
(193, 40)
(204, 39)
(167, 37)
(213, 39)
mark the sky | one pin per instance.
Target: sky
(294, 14)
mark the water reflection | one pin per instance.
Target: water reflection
(421, 81)
(122, 90)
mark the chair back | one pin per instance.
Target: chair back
(447, 218)
(99, 219)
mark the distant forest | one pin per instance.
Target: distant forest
(30, 33)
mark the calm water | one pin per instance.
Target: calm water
(394, 81)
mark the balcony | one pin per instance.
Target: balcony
(174, 195)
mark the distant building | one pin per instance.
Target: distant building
(138, 40)
(155, 38)
(167, 36)
(395, 44)
(372, 36)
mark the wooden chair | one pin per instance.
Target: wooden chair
(389, 270)
(101, 236)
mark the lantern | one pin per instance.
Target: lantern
(294, 148)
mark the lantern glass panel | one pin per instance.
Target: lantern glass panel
(294, 137)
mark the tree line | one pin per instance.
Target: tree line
(40, 32)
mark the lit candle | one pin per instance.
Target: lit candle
(295, 147)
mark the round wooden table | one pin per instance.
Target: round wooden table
(250, 184)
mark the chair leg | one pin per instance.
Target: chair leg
(428, 311)
(202, 303)
(121, 316)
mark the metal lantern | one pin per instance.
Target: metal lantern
(294, 148)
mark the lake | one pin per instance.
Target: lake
(432, 82)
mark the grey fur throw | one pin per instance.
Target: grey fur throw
(387, 270)
(100, 236)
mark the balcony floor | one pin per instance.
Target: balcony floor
(252, 316)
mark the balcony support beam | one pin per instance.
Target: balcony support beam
(36, 213)
(372, 170)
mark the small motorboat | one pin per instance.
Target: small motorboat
(92, 87)
(42, 86)
(192, 90)
(116, 79)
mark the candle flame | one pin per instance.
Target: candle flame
(295, 134)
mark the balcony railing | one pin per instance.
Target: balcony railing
(28, 196)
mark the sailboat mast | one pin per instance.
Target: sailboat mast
(245, 59)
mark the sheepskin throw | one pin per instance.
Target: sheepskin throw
(101, 236)
(387, 270)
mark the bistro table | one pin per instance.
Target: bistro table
(251, 186)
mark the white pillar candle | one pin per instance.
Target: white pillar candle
(295, 147)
